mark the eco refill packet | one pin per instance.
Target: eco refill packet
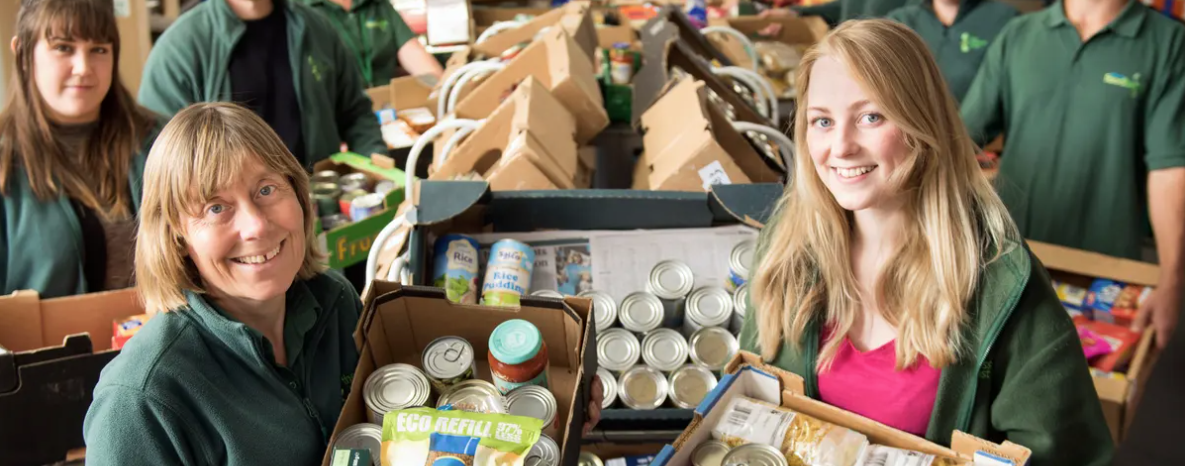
(427, 437)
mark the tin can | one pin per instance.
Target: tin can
(664, 349)
(384, 187)
(740, 304)
(712, 348)
(392, 387)
(333, 221)
(671, 281)
(365, 206)
(621, 64)
(641, 312)
(688, 385)
(589, 459)
(475, 396)
(642, 387)
(508, 273)
(325, 196)
(448, 361)
(354, 182)
(739, 262)
(754, 454)
(709, 306)
(455, 267)
(604, 309)
(709, 453)
(348, 197)
(365, 436)
(547, 294)
(532, 401)
(608, 387)
(618, 350)
(545, 452)
(325, 177)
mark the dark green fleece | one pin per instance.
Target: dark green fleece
(41, 244)
(190, 63)
(1026, 381)
(960, 47)
(196, 387)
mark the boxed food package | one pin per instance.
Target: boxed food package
(762, 406)
(399, 322)
(574, 18)
(1108, 346)
(526, 143)
(690, 145)
(555, 60)
(51, 354)
(123, 329)
(1114, 302)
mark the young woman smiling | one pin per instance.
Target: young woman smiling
(892, 278)
(72, 149)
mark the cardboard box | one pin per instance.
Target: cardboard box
(349, 244)
(485, 17)
(398, 322)
(794, 31)
(549, 137)
(1119, 397)
(52, 353)
(557, 62)
(607, 36)
(749, 377)
(574, 18)
(690, 145)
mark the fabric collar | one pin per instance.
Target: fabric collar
(1128, 24)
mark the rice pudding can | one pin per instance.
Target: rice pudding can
(508, 273)
(455, 267)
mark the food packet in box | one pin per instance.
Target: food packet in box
(804, 440)
(428, 437)
(880, 455)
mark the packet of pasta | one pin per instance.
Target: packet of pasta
(804, 440)
(880, 455)
(428, 437)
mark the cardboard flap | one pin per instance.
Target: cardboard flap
(574, 18)
(20, 321)
(790, 381)
(448, 199)
(971, 446)
(412, 92)
(688, 33)
(751, 204)
(29, 323)
(1093, 264)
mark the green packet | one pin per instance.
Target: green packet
(428, 437)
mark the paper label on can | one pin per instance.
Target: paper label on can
(713, 173)
(506, 386)
(456, 270)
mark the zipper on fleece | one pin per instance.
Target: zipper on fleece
(964, 420)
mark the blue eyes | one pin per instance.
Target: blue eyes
(872, 118)
(267, 190)
(216, 209)
(867, 118)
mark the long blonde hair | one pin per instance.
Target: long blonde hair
(955, 223)
(196, 155)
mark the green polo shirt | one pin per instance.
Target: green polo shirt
(838, 11)
(1084, 123)
(373, 31)
(960, 47)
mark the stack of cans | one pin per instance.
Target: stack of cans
(342, 199)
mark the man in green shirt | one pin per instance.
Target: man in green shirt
(1090, 96)
(957, 32)
(378, 38)
(838, 11)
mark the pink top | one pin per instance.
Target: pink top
(868, 384)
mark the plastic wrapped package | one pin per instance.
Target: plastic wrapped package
(804, 440)
(428, 437)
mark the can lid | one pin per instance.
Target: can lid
(642, 387)
(515, 341)
(547, 294)
(532, 401)
(671, 280)
(709, 453)
(396, 386)
(604, 308)
(618, 349)
(664, 349)
(368, 200)
(448, 357)
(589, 459)
(474, 395)
(641, 312)
(689, 385)
(545, 452)
(740, 299)
(608, 387)
(326, 175)
(362, 436)
(754, 454)
(325, 188)
(709, 306)
(741, 258)
(712, 347)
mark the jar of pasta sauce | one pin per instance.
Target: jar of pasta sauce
(518, 356)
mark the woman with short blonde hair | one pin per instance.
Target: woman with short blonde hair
(250, 352)
(892, 278)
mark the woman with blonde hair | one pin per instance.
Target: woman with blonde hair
(891, 277)
(250, 349)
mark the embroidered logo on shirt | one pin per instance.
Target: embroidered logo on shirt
(985, 372)
(313, 68)
(968, 42)
(1132, 84)
(380, 24)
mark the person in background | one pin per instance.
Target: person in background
(72, 149)
(378, 38)
(838, 11)
(1090, 98)
(278, 58)
(958, 33)
(891, 277)
(250, 348)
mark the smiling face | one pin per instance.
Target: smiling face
(248, 240)
(855, 149)
(73, 77)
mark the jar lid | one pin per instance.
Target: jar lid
(515, 341)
